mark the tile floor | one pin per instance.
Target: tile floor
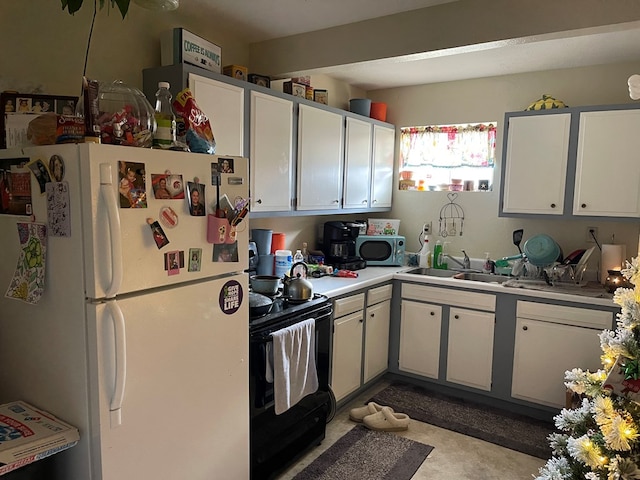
(455, 456)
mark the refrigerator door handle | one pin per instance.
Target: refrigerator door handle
(120, 350)
(115, 237)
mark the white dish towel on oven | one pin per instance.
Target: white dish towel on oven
(293, 371)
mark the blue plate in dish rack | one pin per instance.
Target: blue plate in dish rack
(542, 250)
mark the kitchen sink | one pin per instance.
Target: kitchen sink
(482, 277)
(433, 272)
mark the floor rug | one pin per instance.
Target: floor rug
(517, 432)
(364, 454)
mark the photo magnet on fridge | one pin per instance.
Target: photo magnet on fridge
(41, 172)
(158, 235)
(196, 199)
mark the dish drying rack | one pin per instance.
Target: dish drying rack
(451, 217)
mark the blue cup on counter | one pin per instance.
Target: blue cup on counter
(262, 238)
(265, 264)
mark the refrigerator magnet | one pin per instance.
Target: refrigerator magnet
(195, 259)
(158, 233)
(196, 199)
(41, 172)
(56, 168)
(168, 217)
(174, 261)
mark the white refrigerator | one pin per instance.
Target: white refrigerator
(128, 318)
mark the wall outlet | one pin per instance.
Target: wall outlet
(590, 238)
(426, 228)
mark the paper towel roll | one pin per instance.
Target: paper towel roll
(611, 259)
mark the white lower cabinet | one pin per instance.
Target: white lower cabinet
(347, 354)
(470, 348)
(471, 322)
(360, 339)
(420, 325)
(549, 340)
(376, 339)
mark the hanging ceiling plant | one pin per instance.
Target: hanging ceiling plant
(74, 5)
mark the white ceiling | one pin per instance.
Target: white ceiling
(268, 19)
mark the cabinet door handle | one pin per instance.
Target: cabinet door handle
(364, 201)
(259, 200)
(362, 320)
(456, 316)
(373, 315)
(584, 205)
(336, 201)
(525, 328)
(433, 313)
(374, 201)
(553, 205)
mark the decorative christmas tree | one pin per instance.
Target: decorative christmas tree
(600, 439)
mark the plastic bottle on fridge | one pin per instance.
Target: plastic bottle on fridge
(164, 136)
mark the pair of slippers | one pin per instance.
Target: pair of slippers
(380, 418)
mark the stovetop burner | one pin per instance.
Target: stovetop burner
(283, 308)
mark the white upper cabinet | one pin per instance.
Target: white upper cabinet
(383, 151)
(224, 106)
(271, 155)
(608, 166)
(574, 162)
(357, 163)
(320, 144)
(535, 164)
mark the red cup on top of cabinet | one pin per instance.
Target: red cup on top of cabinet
(379, 111)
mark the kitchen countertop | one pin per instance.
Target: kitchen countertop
(337, 286)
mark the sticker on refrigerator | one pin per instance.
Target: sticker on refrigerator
(58, 216)
(132, 188)
(15, 186)
(231, 297)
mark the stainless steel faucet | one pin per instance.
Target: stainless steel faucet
(465, 263)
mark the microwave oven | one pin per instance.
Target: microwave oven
(381, 249)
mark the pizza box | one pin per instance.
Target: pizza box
(28, 434)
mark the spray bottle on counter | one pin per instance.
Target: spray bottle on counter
(424, 256)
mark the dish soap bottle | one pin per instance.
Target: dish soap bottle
(443, 257)
(437, 255)
(424, 256)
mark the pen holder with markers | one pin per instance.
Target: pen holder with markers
(219, 230)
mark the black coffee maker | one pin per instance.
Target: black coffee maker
(339, 246)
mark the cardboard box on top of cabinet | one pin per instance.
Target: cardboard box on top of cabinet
(295, 89)
(181, 46)
(262, 80)
(236, 71)
(28, 434)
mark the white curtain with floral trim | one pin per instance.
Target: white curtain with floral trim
(449, 146)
